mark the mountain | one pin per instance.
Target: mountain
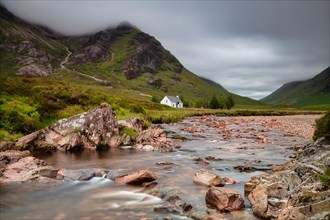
(124, 57)
(311, 92)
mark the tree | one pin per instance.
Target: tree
(214, 103)
(229, 102)
(323, 127)
(154, 99)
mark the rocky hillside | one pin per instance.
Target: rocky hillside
(144, 54)
(315, 91)
(26, 49)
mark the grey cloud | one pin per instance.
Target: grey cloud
(250, 47)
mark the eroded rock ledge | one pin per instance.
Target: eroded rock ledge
(293, 191)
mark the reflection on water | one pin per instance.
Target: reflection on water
(100, 198)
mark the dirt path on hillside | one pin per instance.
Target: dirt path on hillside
(66, 59)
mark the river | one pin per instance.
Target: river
(101, 198)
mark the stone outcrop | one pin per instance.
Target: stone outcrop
(294, 190)
(208, 178)
(224, 199)
(148, 56)
(95, 129)
(138, 177)
(95, 49)
(154, 139)
(35, 70)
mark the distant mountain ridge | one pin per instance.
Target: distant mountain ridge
(314, 91)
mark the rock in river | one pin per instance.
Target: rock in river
(208, 178)
(136, 177)
(224, 199)
(154, 139)
(95, 129)
(21, 167)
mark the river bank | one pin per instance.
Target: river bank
(225, 146)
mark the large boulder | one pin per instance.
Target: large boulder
(95, 129)
(208, 178)
(224, 199)
(136, 177)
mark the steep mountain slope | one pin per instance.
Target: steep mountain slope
(128, 58)
(315, 91)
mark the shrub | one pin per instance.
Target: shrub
(17, 115)
(154, 99)
(136, 108)
(229, 102)
(323, 127)
(129, 131)
(214, 103)
(325, 177)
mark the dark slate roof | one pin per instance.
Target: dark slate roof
(174, 99)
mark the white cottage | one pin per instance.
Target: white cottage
(173, 101)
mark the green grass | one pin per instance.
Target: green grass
(129, 131)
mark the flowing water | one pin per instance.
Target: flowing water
(101, 198)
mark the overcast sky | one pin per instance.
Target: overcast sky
(249, 47)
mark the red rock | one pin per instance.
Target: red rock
(25, 168)
(167, 167)
(224, 199)
(164, 163)
(200, 161)
(230, 180)
(212, 158)
(258, 199)
(208, 178)
(154, 136)
(137, 177)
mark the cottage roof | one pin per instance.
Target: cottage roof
(174, 99)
